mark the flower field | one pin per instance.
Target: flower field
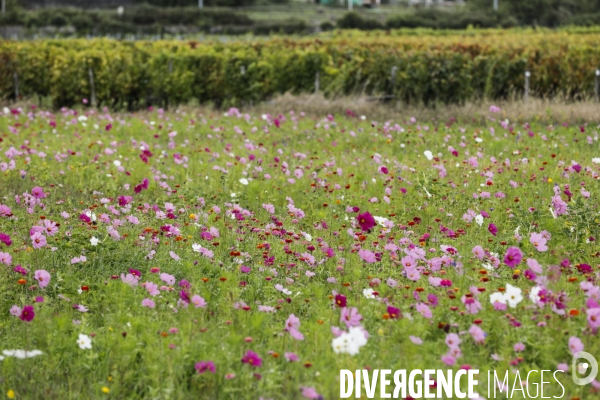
(175, 255)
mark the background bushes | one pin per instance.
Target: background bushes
(431, 68)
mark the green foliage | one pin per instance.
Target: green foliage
(442, 68)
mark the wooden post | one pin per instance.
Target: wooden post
(16, 78)
(393, 79)
(92, 87)
(527, 75)
(596, 88)
(317, 82)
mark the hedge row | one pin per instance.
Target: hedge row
(430, 68)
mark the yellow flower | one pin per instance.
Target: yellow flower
(10, 394)
(105, 390)
(110, 378)
(549, 180)
(192, 216)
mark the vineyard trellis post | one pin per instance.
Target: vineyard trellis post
(596, 88)
(16, 79)
(527, 75)
(92, 87)
(393, 80)
(317, 82)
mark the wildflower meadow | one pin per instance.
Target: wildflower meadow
(186, 255)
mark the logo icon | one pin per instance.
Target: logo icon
(581, 368)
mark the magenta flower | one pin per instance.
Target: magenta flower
(538, 241)
(43, 277)
(340, 300)
(38, 240)
(27, 314)
(513, 257)
(4, 238)
(252, 358)
(292, 325)
(204, 366)
(394, 312)
(20, 270)
(350, 317)
(38, 192)
(493, 229)
(366, 221)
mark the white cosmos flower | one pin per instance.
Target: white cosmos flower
(513, 295)
(349, 342)
(380, 220)
(21, 354)
(497, 298)
(534, 295)
(488, 266)
(479, 219)
(244, 181)
(428, 154)
(478, 140)
(94, 241)
(368, 293)
(307, 236)
(84, 341)
(596, 160)
(117, 163)
(82, 118)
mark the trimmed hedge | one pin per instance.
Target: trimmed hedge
(441, 67)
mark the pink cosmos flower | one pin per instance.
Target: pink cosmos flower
(593, 318)
(513, 257)
(575, 344)
(148, 303)
(350, 317)
(367, 256)
(15, 310)
(477, 334)
(291, 357)
(168, 279)
(174, 256)
(129, 279)
(43, 277)
(493, 229)
(538, 241)
(38, 240)
(152, 288)
(311, 393)
(424, 310)
(292, 325)
(416, 340)
(198, 301)
(5, 258)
